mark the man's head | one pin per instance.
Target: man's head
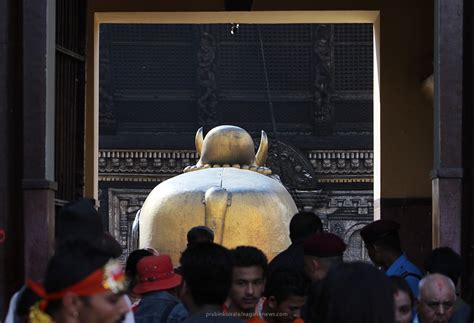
(381, 237)
(207, 273)
(444, 261)
(354, 292)
(304, 224)
(131, 265)
(155, 273)
(436, 299)
(322, 251)
(285, 292)
(199, 234)
(81, 284)
(80, 220)
(248, 278)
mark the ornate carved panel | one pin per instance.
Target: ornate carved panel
(107, 117)
(123, 206)
(343, 212)
(342, 166)
(322, 69)
(207, 100)
(143, 165)
(292, 166)
(323, 166)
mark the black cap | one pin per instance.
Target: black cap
(72, 262)
(80, 221)
(378, 230)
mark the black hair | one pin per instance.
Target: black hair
(444, 261)
(248, 256)
(400, 284)
(80, 221)
(199, 234)
(72, 262)
(304, 224)
(355, 292)
(285, 282)
(131, 265)
(207, 270)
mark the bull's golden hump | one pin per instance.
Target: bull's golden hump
(243, 207)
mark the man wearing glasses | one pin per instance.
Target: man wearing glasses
(436, 300)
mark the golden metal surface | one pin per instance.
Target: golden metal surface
(229, 145)
(241, 204)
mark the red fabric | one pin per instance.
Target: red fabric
(324, 244)
(91, 285)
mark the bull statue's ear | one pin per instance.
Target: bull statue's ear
(198, 141)
(262, 152)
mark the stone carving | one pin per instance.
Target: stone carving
(207, 97)
(291, 166)
(351, 203)
(355, 245)
(123, 206)
(348, 162)
(107, 118)
(115, 162)
(322, 69)
(296, 170)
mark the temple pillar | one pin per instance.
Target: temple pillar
(38, 133)
(447, 168)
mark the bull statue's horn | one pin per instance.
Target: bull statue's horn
(262, 152)
(198, 141)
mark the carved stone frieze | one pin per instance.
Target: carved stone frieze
(342, 162)
(207, 97)
(143, 165)
(291, 166)
(123, 206)
(297, 171)
(349, 231)
(322, 69)
(107, 117)
(336, 204)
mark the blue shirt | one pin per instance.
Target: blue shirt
(155, 307)
(178, 314)
(404, 268)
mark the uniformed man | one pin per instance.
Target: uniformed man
(383, 246)
(302, 225)
(322, 251)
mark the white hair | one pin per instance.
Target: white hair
(428, 279)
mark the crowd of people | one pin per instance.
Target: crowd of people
(307, 282)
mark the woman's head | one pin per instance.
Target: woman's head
(355, 292)
(403, 300)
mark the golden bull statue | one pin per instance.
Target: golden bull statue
(228, 190)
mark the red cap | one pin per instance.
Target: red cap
(324, 244)
(156, 273)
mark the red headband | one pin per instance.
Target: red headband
(103, 279)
